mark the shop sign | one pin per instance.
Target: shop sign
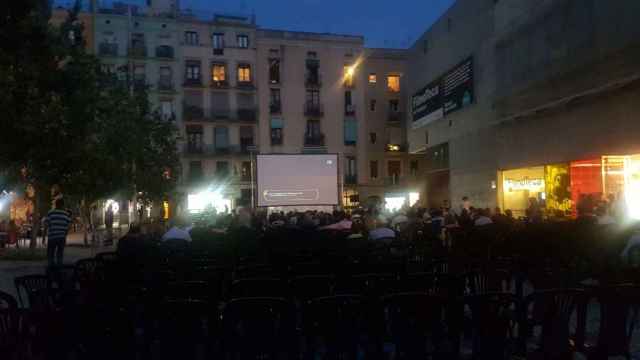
(449, 93)
(535, 185)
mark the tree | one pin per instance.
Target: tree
(70, 125)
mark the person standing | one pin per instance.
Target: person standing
(108, 224)
(58, 222)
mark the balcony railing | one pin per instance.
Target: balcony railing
(350, 109)
(220, 114)
(107, 49)
(313, 80)
(313, 109)
(217, 150)
(313, 139)
(165, 51)
(138, 51)
(275, 108)
(192, 82)
(219, 84)
(165, 85)
(192, 112)
(245, 85)
(351, 179)
(395, 117)
(249, 115)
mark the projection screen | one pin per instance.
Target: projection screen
(290, 180)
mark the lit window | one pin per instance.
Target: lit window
(373, 78)
(393, 83)
(244, 73)
(348, 75)
(218, 73)
(243, 41)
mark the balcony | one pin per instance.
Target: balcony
(351, 179)
(106, 49)
(165, 85)
(248, 115)
(395, 117)
(313, 139)
(164, 52)
(275, 108)
(350, 109)
(245, 85)
(138, 51)
(219, 84)
(313, 109)
(192, 82)
(312, 81)
(192, 112)
(220, 114)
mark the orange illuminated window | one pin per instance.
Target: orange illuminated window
(373, 78)
(218, 72)
(244, 73)
(393, 83)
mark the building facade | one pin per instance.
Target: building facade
(523, 101)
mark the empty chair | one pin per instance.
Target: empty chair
(551, 310)
(90, 276)
(260, 287)
(370, 285)
(62, 284)
(492, 324)
(184, 326)
(33, 290)
(254, 271)
(485, 281)
(305, 288)
(311, 268)
(192, 290)
(337, 322)
(259, 328)
(424, 282)
(413, 321)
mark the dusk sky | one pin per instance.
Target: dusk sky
(384, 23)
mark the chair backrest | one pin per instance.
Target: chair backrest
(371, 285)
(88, 272)
(62, 277)
(305, 288)
(552, 309)
(35, 289)
(260, 287)
(486, 281)
(337, 318)
(253, 271)
(191, 290)
(619, 307)
(423, 282)
(491, 323)
(412, 312)
(7, 301)
(8, 323)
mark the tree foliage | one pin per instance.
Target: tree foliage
(64, 122)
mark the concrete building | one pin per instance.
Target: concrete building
(520, 100)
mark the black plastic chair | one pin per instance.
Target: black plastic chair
(36, 291)
(424, 282)
(305, 288)
(254, 271)
(368, 285)
(551, 310)
(89, 274)
(487, 281)
(192, 291)
(9, 326)
(185, 324)
(336, 320)
(492, 324)
(412, 319)
(619, 306)
(260, 287)
(259, 328)
(62, 284)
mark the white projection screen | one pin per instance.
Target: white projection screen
(295, 180)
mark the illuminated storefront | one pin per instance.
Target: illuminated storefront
(561, 189)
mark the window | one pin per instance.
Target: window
(221, 137)
(350, 131)
(217, 41)
(218, 73)
(274, 71)
(313, 97)
(244, 73)
(373, 78)
(394, 105)
(394, 168)
(426, 137)
(220, 104)
(351, 171)
(313, 72)
(348, 73)
(274, 101)
(413, 167)
(246, 137)
(108, 68)
(348, 103)
(139, 76)
(373, 137)
(193, 71)
(276, 131)
(393, 83)
(313, 128)
(166, 110)
(194, 138)
(373, 169)
(312, 54)
(372, 105)
(195, 170)
(191, 38)
(222, 169)
(242, 41)
(245, 171)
